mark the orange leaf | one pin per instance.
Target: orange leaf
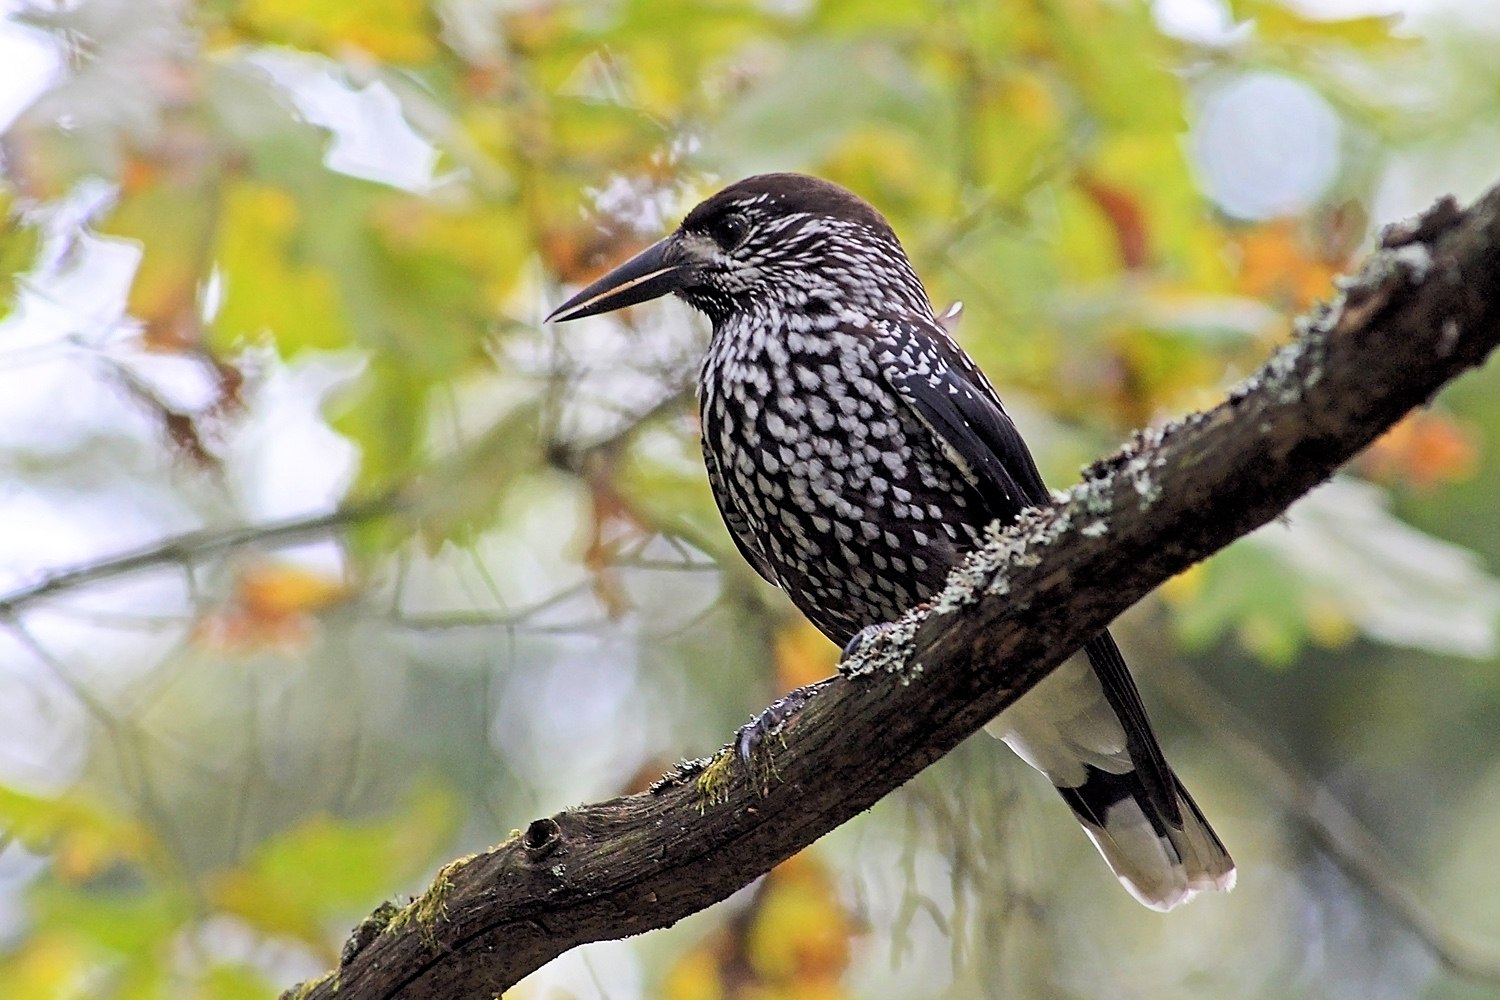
(275, 590)
(273, 605)
(579, 253)
(612, 520)
(803, 655)
(1126, 218)
(1280, 265)
(1424, 450)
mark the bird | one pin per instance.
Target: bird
(857, 453)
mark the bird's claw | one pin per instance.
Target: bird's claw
(864, 638)
(752, 734)
(768, 723)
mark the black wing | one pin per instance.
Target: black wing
(951, 396)
(956, 402)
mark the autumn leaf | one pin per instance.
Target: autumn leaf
(791, 943)
(169, 204)
(580, 253)
(1424, 451)
(274, 604)
(803, 655)
(82, 836)
(394, 30)
(1127, 218)
(611, 520)
(276, 590)
(1280, 264)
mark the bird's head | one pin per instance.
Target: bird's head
(785, 241)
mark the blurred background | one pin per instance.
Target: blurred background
(324, 561)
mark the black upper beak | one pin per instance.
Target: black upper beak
(655, 271)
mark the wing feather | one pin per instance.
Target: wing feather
(953, 399)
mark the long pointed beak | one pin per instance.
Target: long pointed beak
(649, 274)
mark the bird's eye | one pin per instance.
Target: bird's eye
(730, 231)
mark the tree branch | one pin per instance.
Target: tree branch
(192, 546)
(1425, 309)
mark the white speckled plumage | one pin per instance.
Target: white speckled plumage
(801, 399)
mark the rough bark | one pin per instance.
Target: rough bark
(1425, 308)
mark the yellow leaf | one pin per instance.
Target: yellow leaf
(393, 30)
(1328, 624)
(1279, 22)
(267, 288)
(83, 837)
(278, 589)
(803, 930)
(1185, 586)
(791, 943)
(48, 965)
(273, 605)
(696, 976)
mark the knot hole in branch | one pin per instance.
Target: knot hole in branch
(541, 839)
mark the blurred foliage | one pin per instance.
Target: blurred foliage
(792, 941)
(334, 229)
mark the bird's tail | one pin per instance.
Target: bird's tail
(1162, 863)
(1097, 748)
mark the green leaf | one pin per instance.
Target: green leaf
(232, 982)
(1281, 23)
(81, 833)
(802, 106)
(1338, 564)
(462, 495)
(121, 915)
(1396, 584)
(1247, 593)
(326, 870)
(18, 248)
(271, 286)
(384, 413)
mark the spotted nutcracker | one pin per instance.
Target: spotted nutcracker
(856, 453)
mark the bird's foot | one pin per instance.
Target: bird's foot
(749, 748)
(866, 638)
(884, 647)
(752, 734)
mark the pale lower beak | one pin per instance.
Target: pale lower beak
(653, 272)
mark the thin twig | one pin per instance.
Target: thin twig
(192, 546)
(443, 621)
(1344, 839)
